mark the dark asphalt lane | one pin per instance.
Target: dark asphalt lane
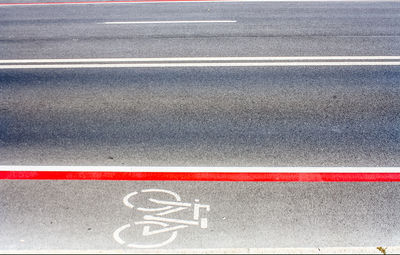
(262, 29)
(291, 116)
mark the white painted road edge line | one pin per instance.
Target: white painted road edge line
(166, 22)
(177, 2)
(163, 65)
(196, 169)
(322, 250)
(186, 59)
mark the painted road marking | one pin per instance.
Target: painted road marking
(197, 59)
(176, 1)
(169, 225)
(284, 61)
(167, 22)
(165, 65)
(197, 169)
(242, 174)
(302, 250)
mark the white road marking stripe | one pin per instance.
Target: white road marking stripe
(167, 22)
(186, 2)
(307, 250)
(186, 59)
(189, 169)
(244, 64)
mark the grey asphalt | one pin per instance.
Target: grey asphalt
(275, 116)
(262, 29)
(324, 116)
(83, 215)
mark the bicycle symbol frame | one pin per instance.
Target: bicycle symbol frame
(155, 216)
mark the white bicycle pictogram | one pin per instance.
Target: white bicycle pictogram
(155, 217)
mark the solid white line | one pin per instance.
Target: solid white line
(303, 250)
(186, 59)
(191, 2)
(244, 64)
(197, 169)
(167, 22)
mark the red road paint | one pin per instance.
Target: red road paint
(191, 176)
(109, 2)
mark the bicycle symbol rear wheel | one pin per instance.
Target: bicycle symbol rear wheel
(171, 236)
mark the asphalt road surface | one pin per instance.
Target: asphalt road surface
(340, 114)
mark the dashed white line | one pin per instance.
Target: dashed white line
(167, 22)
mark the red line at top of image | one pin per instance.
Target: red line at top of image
(200, 176)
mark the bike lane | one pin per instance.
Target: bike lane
(82, 215)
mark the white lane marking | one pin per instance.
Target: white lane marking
(186, 59)
(197, 169)
(167, 22)
(163, 65)
(302, 250)
(180, 2)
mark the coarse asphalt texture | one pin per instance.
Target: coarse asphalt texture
(209, 116)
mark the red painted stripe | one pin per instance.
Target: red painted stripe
(190, 176)
(107, 2)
